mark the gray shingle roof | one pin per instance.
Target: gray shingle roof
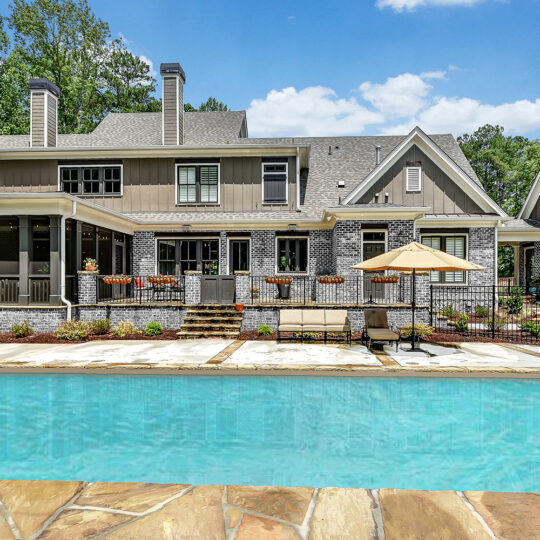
(215, 216)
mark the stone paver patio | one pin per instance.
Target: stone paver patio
(78, 510)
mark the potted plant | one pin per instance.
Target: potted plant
(161, 280)
(239, 307)
(331, 279)
(283, 285)
(117, 280)
(90, 265)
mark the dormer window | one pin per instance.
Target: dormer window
(413, 172)
(275, 182)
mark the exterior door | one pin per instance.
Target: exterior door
(529, 266)
(373, 244)
(238, 256)
(217, 289)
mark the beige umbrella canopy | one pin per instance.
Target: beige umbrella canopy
(413, 257)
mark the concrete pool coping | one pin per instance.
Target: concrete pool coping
(218, 363)
(68, 510)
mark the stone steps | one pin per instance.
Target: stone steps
(211, 320)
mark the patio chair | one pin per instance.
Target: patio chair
(140, 287)
(377, 328)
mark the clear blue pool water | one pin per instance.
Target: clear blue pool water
(477, 434)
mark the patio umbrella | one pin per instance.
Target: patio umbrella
(413, 257)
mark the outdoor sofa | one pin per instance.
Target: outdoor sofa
(376, 328)
(299, 321)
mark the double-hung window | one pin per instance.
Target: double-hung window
(275, 182)
(453, 245)
(91, 180)
(292, 254)
(198, 184)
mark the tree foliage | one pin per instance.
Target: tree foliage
(212, 104)
(506, 165)
(64, 41)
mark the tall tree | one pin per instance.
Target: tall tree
(66, 42)
(212, 104)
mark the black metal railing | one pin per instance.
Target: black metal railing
(140, 289)
(497, 312)
(305, 290)
(9, 290)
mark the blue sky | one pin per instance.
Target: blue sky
(349, 67)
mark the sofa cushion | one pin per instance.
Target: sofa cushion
(313, 317)
(290, 327)
(290, 316)
(313, 328)
(337, 328)
(382, 334)
(335, 316)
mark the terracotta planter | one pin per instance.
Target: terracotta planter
(388, 279)
(161, 280)
(331, 280)
(279, 281)
(90, 268)
(117, 280)
(239, 307)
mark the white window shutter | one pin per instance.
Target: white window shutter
(414, 178)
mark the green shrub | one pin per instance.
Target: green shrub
(22, 330)
(421, 330)
(73, 330)
(462, 323)
(265, 330)
(100, 326)
(449, 311)
(153, 329)
(531, 326)
(497, 322)
(481, 311)
(124, 328)
(514, 302)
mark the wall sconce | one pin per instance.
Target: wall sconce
(186, 228)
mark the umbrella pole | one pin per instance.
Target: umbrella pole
(413, 305)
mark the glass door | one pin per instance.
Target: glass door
(238, 255)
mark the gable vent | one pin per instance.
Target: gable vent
(414, 178)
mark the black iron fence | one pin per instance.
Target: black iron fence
(498, 312)
(352, 290)
(140, 289)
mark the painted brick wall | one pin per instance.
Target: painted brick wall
(320, 253)
(87, 287)
(263, 257)
(143, 253)
(482, 252)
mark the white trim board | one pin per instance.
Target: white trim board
(531, 199)
(444, 162)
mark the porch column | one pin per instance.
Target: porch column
(78, 245)
(25, 242)
(54, 287)
(192, 294)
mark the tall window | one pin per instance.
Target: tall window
(91, 180)
(275, 182)
(453, 245)
(292, 254)
(198, 184)
(179, 256)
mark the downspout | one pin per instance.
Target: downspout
(63, 259)
(298, 179)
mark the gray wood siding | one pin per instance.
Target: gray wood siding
(31, 175)
(535, 213)
(51, 121)
(170, 110)
(38, 119)
(439, 192)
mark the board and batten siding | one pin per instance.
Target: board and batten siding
(438, 191)
(149, 184)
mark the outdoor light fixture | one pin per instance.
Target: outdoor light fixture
(186, 228)
(291, 227)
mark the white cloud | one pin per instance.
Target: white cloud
(150, 64)
(400, 96)
(392, 107)
(315, 110)
(410, 5)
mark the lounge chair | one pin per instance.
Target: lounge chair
(377, 328)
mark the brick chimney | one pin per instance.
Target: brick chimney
(172, 117)
(43, 113)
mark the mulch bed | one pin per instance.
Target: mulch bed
(168, 335)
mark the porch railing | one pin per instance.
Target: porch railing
(140, 289)
(40, 289)
(9, 290)
(304, 290)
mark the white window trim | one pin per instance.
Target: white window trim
(229, 238)
(420, 174)
(184, 237)
(466, 282)
(177, 167)
(278, 238)
(94, 195)
(286, 163)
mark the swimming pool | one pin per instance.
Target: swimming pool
(475, 434)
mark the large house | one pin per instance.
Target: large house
(190, 194)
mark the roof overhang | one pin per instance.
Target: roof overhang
(443, 222)
(62, 204)
(220, 150)
(375, 214)
(531, 199)
(443, 161)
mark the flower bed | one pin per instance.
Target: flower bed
(49, 337)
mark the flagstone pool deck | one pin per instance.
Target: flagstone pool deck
(80, 510)
(216, 356)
